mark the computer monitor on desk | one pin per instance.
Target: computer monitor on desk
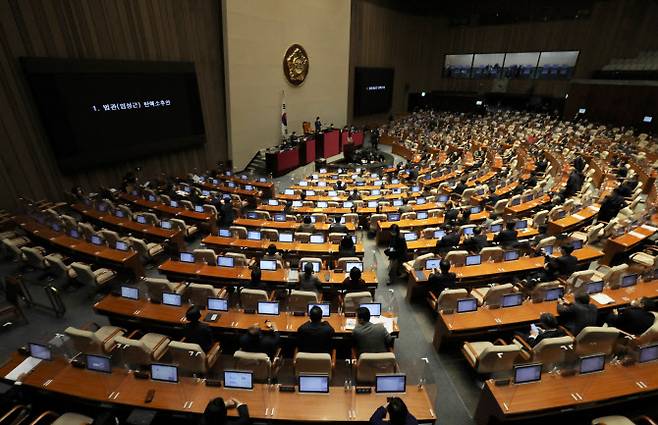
(375, 309)
(391, 383)
(465, 305)
(511, 255)
(217, 304)
(317, 238)
(594, 287)
(270, 308)
(269, 265)
(285, 237)
(322, 204)
(410, 236)
(421, 215)
(40, 351)
(314, 384)
(591, 364)
(186, 257)
(164, 373)
(223, 261)
(496, 228)
(325, 307)
(553, 294)
(628, 280)
(224, 233)
(432, 263)
(648, 353)
(130, 292)
(473, 260)
(512, 300)
(98, 363)
(351, 264)
(521, 224)
(172, 299)
(254, 235)
(316, 266)
(524, 374)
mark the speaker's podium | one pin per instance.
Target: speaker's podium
(327, 143)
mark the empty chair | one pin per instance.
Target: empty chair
(179, 224)
(492, 296)
(190, 358)
(369, 365)
(487, 357)
(351, 218)
(239, 259)
(320, 217)
(299, 300)
(428, 232)
(112, 237)
(69, 222)
(147, 250)
(166, 199)
(68, 418)
(595, 339)
(555, 213)
(538, 293)
(457, 258)
(33, 256)
(549, 351)
(549, 241)
(622, 420)
(205, 255)
(186, 204)
(141, 352)
(447, 299)
(592, 234)
(101, 341)
(249, 298)
(302, 237)
(411, 215)
(239, 232)
(57, 267)
(499, 207)
(336, 237)
(374, 219)
(491, 253)
(11, 247)
(467, 194)
(156, 286)
(645, 260)
(258, 363)
(126, 211)
(86, 229)
(270, 234)
(352, 300)
(210, 209)
(612, 276)
(418, 263)
(540, 218)
(198, 293)
(342, 262)
(313, 363)
(95, 278)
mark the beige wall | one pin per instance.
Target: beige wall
(256, 35)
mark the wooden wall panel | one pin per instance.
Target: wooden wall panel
(160, 30)
(416, 46)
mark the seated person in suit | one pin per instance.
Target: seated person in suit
(306, 225)
(370, 337)
(437, 282)
(315, 336)
(450, 240)
(398, 414)
(548, 328)
(461, 186)
(337, 227)
(271, 253)
(565, 264)
(634, 319)
(216, 412)
(508, 237)
(541, 234)
(464, 216)
(255, 341)
(354, 282)
(354, 195)
(308, 281)
(578, 315)
(256, 280)
(196, 332)
(346, 247)
(451, 213)
(477, 241)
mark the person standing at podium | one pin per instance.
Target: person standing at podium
(318, 125)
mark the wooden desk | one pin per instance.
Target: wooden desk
(222, 276)
(423, 244)
(485, 321)
(191, 396)
(220, 243)
(573, 221)
(203, 218)
(232, 190)
(267, 187)
(232, 320)
(626, 242)
(471, 276)
(525, 207)
(158, 234)
(284, 225)
(555, 393)
(80, 248)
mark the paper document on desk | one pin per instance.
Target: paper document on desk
(636, 234)
(350, 323)
(649, 228)
(578, 217)
(594, 208)
(293, 276)
(25, 366)
(602, 298)
(386, 321)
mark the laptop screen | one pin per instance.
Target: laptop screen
(422, 215)
(393, 217)
(375, 192)
(253, 235)
(547, 250)
(553, 294)
(316, 266)
(40, 351)
(332, 193)
(317, 238)
(594, 287)
(393, 383)
(350, 265)
(272, 202)
(165, 225)
(577, 244)
(297, 204)
(171, 298)
(121, 246)
(648, 353)
(268, 307)
(465, 305)
(473, 260)
(141, 219)
(521, 224)
(348, 204)
(130, 292)
(288, 192)
(268, 265)
(372, 204)
(443, 198)
(151, 198)
(280, 217)
(313, 383)
(374, 308)
(322, 204)
(432, 263)
(98, 363)
(224, 233)
(119, 214)
(217, 304)
(410, 237)
(225, 261)
(527, 373)
(593, 363)
(96, 240)
(325, 307)
(475, 210)
(285, 237)
(163, 372)
(511, 255)
(512, 300)
(248, 187)
(253, 215)
(421, 201)
(628, 280)
(468, 231)
(186, 257)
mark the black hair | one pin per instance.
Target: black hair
(308, 268)
(315, 314)
(256, 274)
(271, 249)
(548, 320)
(397, 411)
(363, 313)
(355, 274)
(215, 412)
(582, 298)
(193, 314)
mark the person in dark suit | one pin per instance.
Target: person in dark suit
(397, 254)
(574, 183)
(306, 225)
(578, 315)
(370, 337)
(634, 319)
(354, 282)
(346, 247)
(451, 213)
(460, 187)
(217, 409)
(254, 341)
(318, 125)
(611, 206)
(566, 263)
(450, 240)
(508, 237)
(548, 328)
(477, 241)
(196, 332)
(338, 227)
(437, 282)
(315, 336)
(308, 281)
(256, 281)
(354, 195)
(398, 414)
(226, 213)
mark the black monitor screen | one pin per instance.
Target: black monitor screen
(373, 90)
(98, 112)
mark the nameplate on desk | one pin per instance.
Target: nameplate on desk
(578, 217)
(213, 383)
(287, 388)
(363, 390)
(249, 311)
(649, 228)
(637, 234)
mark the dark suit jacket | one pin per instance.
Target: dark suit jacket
(310, 284)
(371, 338)
(242, 419)
(634, 320)
(377, 418)
(551, 333)
(437, 282)
(315, 337)
(476, 243)
(261, 343)
(506, 237)
(565, 264)
(449, 240)
(577, 316)
(198, 333)
(338, 228)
